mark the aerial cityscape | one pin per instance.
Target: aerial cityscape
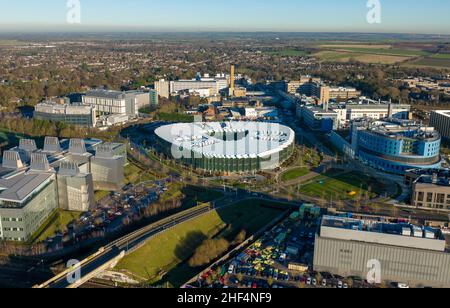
(231, 149)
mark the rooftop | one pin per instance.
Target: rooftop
(401, 129)
(230, 139)
(19, 187)
(384, 233)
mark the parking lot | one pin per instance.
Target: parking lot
(113, 212)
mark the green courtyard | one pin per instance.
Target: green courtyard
(294, 174)
(343, 185)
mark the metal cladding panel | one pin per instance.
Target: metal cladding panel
(412, 266)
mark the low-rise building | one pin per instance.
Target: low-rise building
(72, 114)
(318, 119)
(401, 253)
(430, 188)
(109, 102)
(366, 108)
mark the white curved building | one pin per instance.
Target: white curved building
(228, 147)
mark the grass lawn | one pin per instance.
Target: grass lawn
(294, 174)
(175, 117)
(196, 194)
(56, 222)
(338, 184)
(100, 194)
(163, 259)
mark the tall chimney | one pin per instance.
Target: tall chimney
(232, 82)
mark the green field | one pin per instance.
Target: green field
(440, 62)
(163, 259)
(441, 56)
(294, 174)
(55, 223)
(385, 51)
(339, 184)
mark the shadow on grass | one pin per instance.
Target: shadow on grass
(250, 216)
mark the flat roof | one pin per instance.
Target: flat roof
(384, 233)
(255, 139)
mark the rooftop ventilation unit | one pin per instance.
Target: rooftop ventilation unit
(104, 150)
(28, 145)
(52, 145)
(39, 162)
(68, 168)
(77, 146)
(11, 159)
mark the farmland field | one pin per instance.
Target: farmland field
(366, 46)
(433, 61)
(344, 56)
(369, 53)
(385, 51)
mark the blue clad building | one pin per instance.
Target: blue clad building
(396, 146)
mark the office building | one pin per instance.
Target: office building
(327, 93)
(162, 87)
(366, 108)
(109, 102)
(396, 146)
(339, 93)
(302, 85)
(36, 182)
(406, 253)
(430, 188)
(71, 114)
(316, 118)
(440, 120)
(193, 85)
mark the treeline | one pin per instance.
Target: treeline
(39, 128)
(211, 249)
(161, 207)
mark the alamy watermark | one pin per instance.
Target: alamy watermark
(74, 276)
(374, 13)
(374, 273)
(233, 140)
(73, 12)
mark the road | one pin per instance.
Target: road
(127, 244)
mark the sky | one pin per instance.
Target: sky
(397, 16)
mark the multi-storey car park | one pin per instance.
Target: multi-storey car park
(228, 147)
